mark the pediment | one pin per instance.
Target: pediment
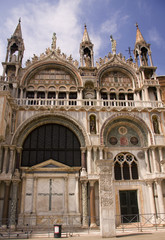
(51, 166)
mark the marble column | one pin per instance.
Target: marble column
(106, 153)
(98, 97)
(92, 205)
(155, 170)
(83, 162)
(160, 158)
(15, 184)
(151, 197)
(6, 204)
(84, 204)
(158, 94)
(18, 157)
(147, 161)
(95, 158)
(146, 94)
(151, 160)
(83, 157)
(67, 98)
(150, 57)
(101, 152)
(160, 196)
(89, 160)
(5, 159)
(12, 159)
(1, 153)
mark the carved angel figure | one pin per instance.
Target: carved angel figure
(54, 39)
(113, 42)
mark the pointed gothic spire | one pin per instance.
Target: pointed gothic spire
(139, 37)
(18, 32)
(85, 35)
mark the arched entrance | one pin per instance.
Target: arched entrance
(51, 141)
(50, 166)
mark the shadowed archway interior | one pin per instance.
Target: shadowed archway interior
(51, 141)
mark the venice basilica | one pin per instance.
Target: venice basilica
(81, 143)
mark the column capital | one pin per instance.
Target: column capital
(5, 146)
(19, 149)
(92, 183)
(84, 181)
(149, 182)
(101, 147)
(12, 147)
(89, 148)
(95, 148)
(160, 148)
(83, 149)
(7, 182)
(158, 181)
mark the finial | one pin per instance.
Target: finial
(20, 20)
(85, 26)
(137, 25)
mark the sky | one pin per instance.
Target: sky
(40, 18)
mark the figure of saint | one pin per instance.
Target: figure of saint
(87, 60)
(113, 42)
(54, 39)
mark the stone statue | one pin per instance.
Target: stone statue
(113, 42)
(54, 39)
(87, 60)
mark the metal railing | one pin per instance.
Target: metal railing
(140, 222)
(41, 226)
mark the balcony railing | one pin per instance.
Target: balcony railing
(87, 103)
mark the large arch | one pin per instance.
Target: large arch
(117, 65)
(139, 123)
(34, 68)
(45, 118)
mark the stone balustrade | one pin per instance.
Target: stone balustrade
(87, 103)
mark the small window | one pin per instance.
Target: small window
(40, 94)
(62, 95)
(104, 96)
(30, 94)
(125, 167)
(51, 95)
(72, 95)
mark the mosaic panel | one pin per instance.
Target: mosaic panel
(128, 139)
(116, 79)
(52, 77)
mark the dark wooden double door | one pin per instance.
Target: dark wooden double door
(129, 206)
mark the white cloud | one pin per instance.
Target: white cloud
(154, 36)
(40, 18)
(39, 21)
(113, 24)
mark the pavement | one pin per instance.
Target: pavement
(153, 235)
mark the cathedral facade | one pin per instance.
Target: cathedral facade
(80, 143)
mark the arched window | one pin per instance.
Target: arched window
(92, 120)
(51, 141)
(125, 167)
(155, 124)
